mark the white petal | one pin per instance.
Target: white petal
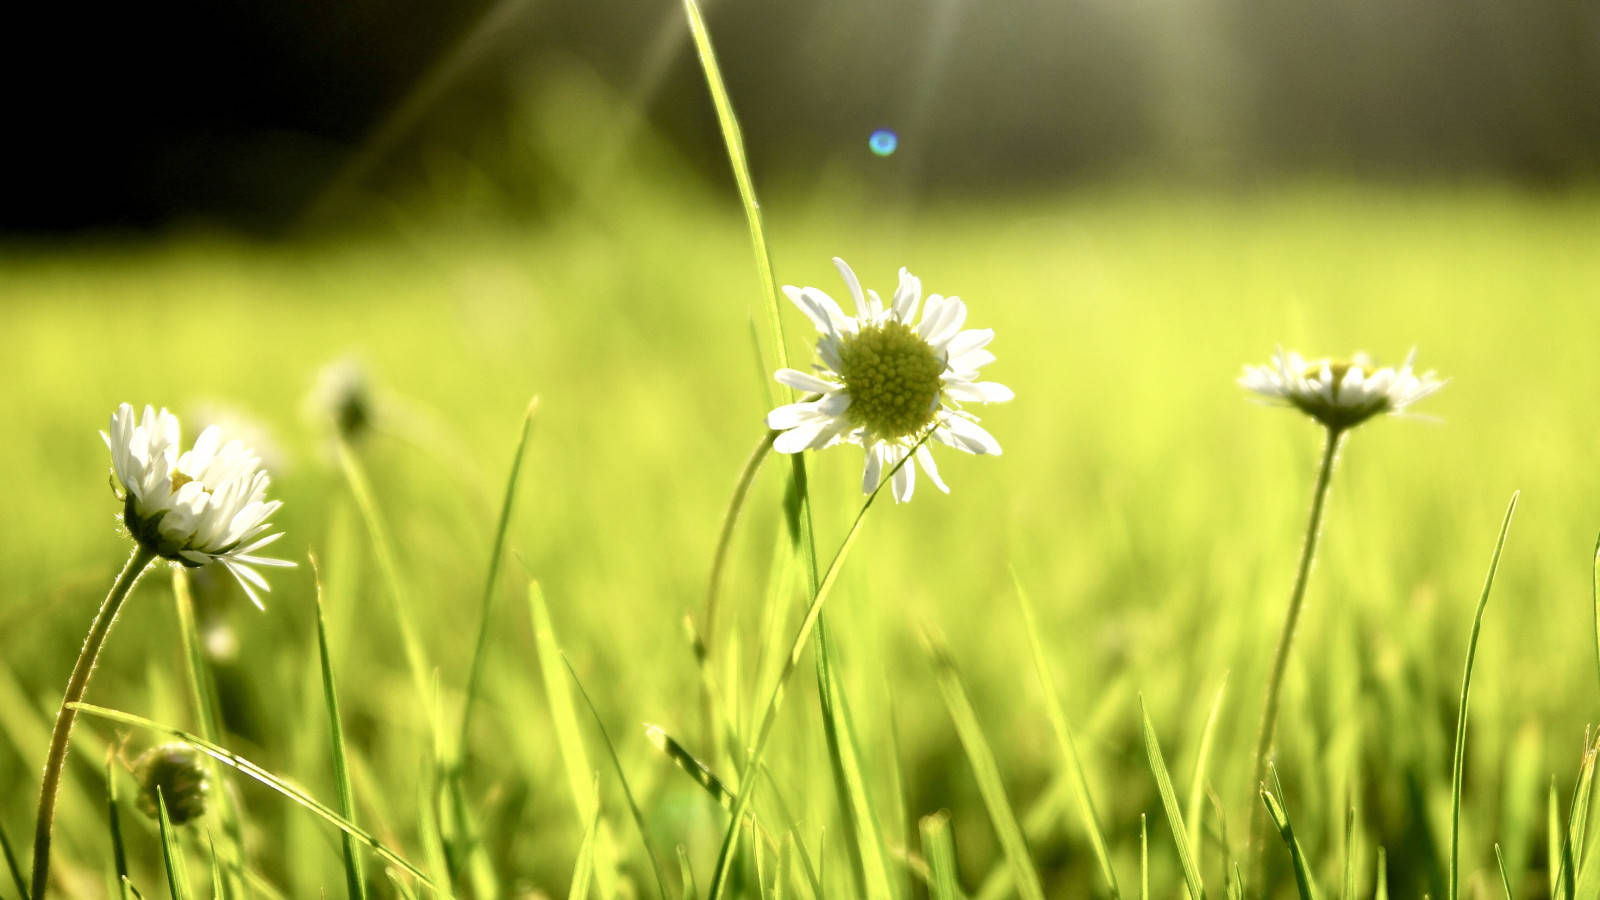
(906, 296)
(971, 339)
(793, 414)
(804, 381)
(853, 283)
(978, 391)
(871, 471)
(905, 482)
(967, 436)
(800, 437)
(925, 457)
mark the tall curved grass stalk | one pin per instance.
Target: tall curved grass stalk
(1458, 767)
(1280, 659)
(77, 687)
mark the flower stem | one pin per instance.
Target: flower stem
(1280, 660)
(77, 686)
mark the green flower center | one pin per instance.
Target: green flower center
(893, 379)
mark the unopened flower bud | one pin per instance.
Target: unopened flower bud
(175, 772)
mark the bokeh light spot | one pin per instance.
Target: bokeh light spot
(883, 142)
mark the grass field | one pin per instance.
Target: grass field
(1151, 512)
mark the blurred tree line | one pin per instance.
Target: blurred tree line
(250, 112)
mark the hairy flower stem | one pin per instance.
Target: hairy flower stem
(77, 686)
(1280, 660)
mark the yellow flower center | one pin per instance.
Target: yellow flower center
(893, 379)
(179, 479)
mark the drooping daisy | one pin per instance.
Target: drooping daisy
(888, 381)
(1340, 394)
(205, 505)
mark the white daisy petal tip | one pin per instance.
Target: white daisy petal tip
(204, 506)
(1340, 394)
(889, 382)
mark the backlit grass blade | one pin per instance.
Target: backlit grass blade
(1577, 819)
(1144, 858)
(1169, 801)
(17, 878)
(1349, 891)
(171, 853)
(1280, 820)
(1197, 784)
(401, 888)
(1553, 839)
(734, 141)
(1381, 891)
(202, 694)
(389, 566)
(686, 873)
(564, 718)
(486, 604)
(354, 875)
(119, 852)
(1458, 767)
(1066, 743)
(1505, 880)
(1595, 590)
(850, 783)
(622, 777)
(218, 892)
(984, 769)
(583, 869)
(941, 854)
(250, 769)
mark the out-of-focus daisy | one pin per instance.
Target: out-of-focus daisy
(342, 397)
(1340, 394)
(204, 505)
(888, 381)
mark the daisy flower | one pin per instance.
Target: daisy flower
(888, 381)
(1340, 394)
(207, 504)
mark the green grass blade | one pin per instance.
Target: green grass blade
(569, 739)
(218, 892)
(1458, 767)
(202, 693)
(1144, 858)
(627, 791)
(1066, 743)
(1505, 880)
(172, 854)
(1381, 891)
(1197, 784)
(1595, 590)
(11, 858)
(769, 716)
(734, 140)
(941, 853)
(1578, 818)
(1169, 800)
(686, 873)
(984, 769)
(1349, 892)
(844, 755)
(1280, 819)
(401, 889)
(389, 566)
(119, 852)
(486, 605)
(583, 869)
(1553, 839)
(354, 875)
(266, 778)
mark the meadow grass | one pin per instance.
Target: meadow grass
(1151, 514)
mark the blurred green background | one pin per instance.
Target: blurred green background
(1137, 199)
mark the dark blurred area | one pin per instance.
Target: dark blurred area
(264, 116)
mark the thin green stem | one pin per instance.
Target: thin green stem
(1280, 660)
(77, 686)
(741, 490)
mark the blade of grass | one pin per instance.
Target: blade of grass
(984, 768)
(1144, 858)
(1280, 819)
(686, 873)
(1197, 784)
(202, 693)
(1349, 892)
(1505, 880)
(1169, 800)
(250, 769)
(11, 861)
(1578, 818)
(486, 606)
(1067, 745)
(1458, 767)
(171, 854)
(1553, 839)
(583, 869)
(849, 780)
(218, 892)
(616, 762)
(389, 566)
(1595, 590)
(119, 852)
(1381, 892)
(730, 838)
(941, 853)
(568, 738)
(354, 876)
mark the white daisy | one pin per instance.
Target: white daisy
(206, 505)
(889, 382)
(1340, 394)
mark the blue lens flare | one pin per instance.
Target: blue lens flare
(883, 142)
